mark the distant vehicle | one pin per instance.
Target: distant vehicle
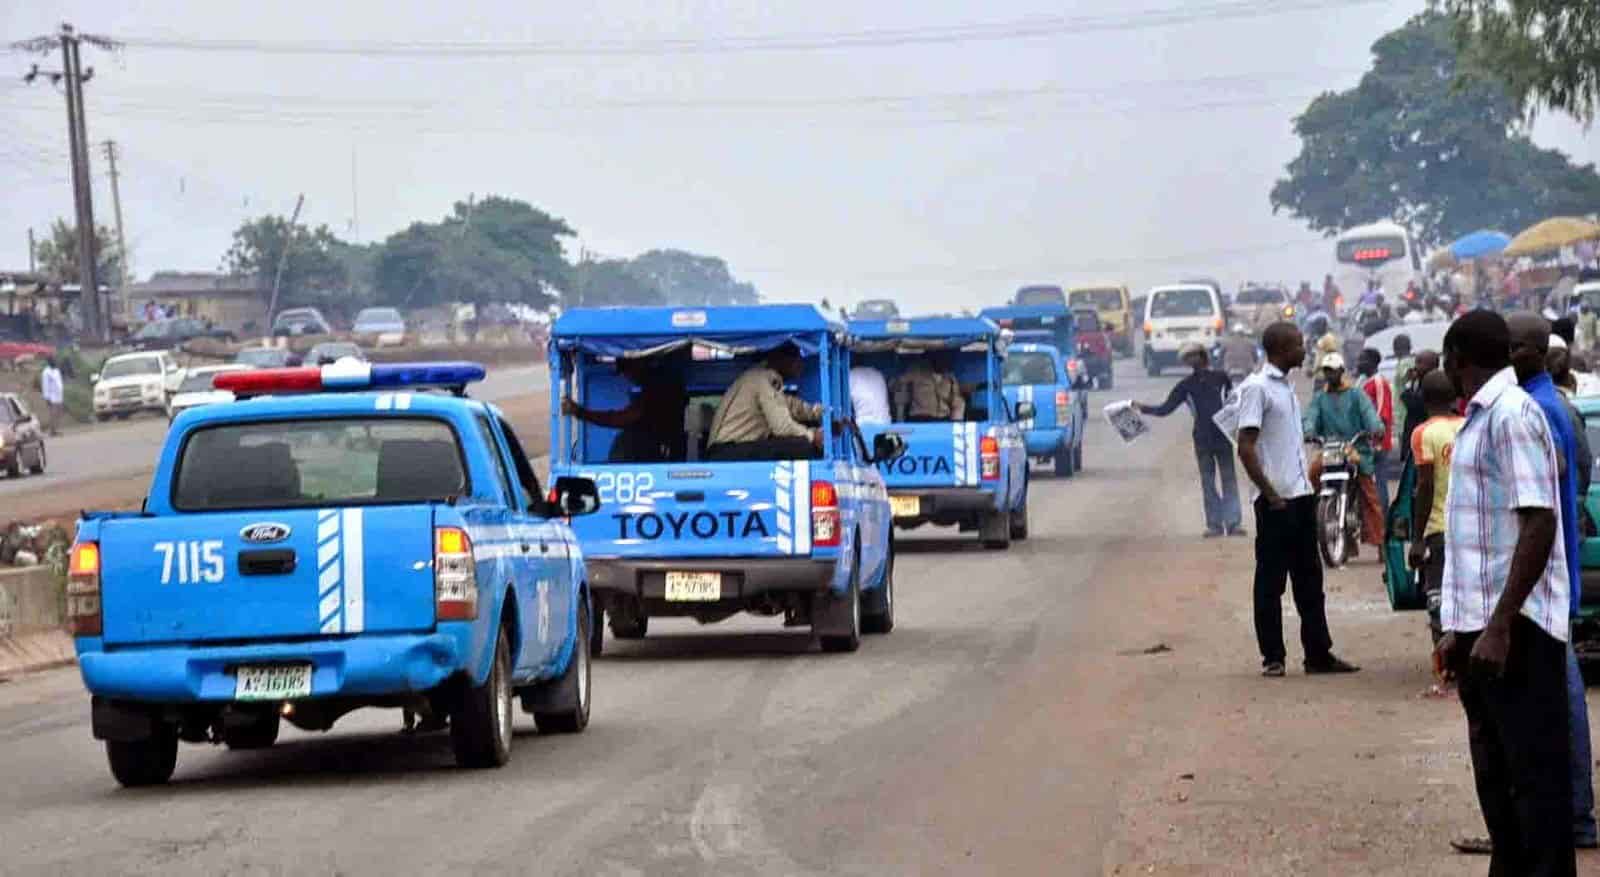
(301, 321)
(1094, 347)
(197, 389)
(1177, 315)
(382, 327)
(265, 357)
(330, 351)
(21, 438)
(1381, 253)
(1112, 306)
(1041, 294)
(132, 382)
(167, 334)
(1034, 373)
(305, 555)
(875, 309)
(1258, 307)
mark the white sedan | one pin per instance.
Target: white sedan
(196, 389)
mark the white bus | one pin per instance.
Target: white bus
(1382, 251)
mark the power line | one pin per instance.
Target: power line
(1017, 29)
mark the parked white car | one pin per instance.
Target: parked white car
(196, 389)
(134, 382)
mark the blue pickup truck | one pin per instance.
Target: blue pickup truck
(340, 539)
(971, 472)
(805, 534)
(1036, 374)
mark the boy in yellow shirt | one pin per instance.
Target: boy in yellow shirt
(1431, 446)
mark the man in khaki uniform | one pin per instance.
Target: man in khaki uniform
(756, 421)
(927, 391)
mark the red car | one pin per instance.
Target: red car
(1094, 346)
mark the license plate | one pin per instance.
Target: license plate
(694, 587)
(905, 506)
(272, 682)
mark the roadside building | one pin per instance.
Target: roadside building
(230, 301)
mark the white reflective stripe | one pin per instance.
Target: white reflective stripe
(783, 478)
(355, 611)
(328, 550)
(402, 401)
(959, 451)
(330, 598)
(385, 401)
(802, 507)
(972, 453)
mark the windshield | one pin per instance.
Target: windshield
(871, 309)
(334, 351)
(378, 315)
(153, 330)
(1101, 299)
(1041, 295)
(1182, 303)
(1028, 368)
(346, 461)
(1259, 296)
(127, 368)
(1371, 250)
(262, 356)
(197, 383)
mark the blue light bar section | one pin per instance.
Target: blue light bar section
(423, 374)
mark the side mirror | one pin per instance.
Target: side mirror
(575, 496)
(887, 446)
(1025, 411)
(94, 378)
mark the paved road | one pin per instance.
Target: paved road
(130, 448)
(973, 738)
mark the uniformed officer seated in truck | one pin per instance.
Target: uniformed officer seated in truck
(757, 421)
(651, 424)
(928, 391)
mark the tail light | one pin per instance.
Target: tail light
(989, 456)
(83, 590)
(1063, 406)
(1216, 325)
(1149, 328)
(824, 514)
(455, 576)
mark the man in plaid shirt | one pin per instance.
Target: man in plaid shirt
(1504, 604)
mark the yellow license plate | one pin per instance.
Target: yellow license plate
(905, 506)
(694, 587)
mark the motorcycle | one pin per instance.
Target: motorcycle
(1338, 503)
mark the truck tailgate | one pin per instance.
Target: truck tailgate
(701, 509)
(937, 454)
(267, 574)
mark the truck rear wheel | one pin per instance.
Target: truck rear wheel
(1019, 519)
(850, 640)
(1063, 461)
(561, 706)
(144, 762)
(480, 726)
(994, 529)
(877, 616)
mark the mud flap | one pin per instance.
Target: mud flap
(994, 527)
(831, 613)
(119, 722)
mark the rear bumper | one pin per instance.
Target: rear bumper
(1045, 442)
(947, 504)
(366, 665)
(742, 577)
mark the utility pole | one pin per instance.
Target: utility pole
(71, 78)
(31, 265)
(283, 258)
(116, 207)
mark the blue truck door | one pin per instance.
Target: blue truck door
(552, 590)
(507, 546)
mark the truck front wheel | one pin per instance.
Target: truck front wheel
(561, 705)
(148, 762)
(480, 726)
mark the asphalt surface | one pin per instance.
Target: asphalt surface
(958, 743)
(124, 448)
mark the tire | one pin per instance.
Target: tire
(1019, 518)
(877, 615)
(631, 623)
(597, 632)
(1077, 456)
(1330, 537)
(259, 735)
(39, 460)
(848, 642)
(1063, 461)
(144, 762)
(567, 697)
(480, 726)
(996, 522)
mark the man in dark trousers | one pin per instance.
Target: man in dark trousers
(1205, 390)
(1272, 451)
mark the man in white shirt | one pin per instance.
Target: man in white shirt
(1272, 452)
(869, 395)
(51, 389)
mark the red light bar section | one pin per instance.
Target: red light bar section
(270, 380)
(1372, 254)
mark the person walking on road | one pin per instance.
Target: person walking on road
(1204, 390)
(1412, 398)
(1504, 606)
(1381, 393)
(50, 388)
(1432, 444)
(1272, 452)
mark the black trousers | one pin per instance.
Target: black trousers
(1286, 548)
(765, 449)
(1517, 727)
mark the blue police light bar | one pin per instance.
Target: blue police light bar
(351, 374)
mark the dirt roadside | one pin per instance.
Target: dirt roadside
(528, 413)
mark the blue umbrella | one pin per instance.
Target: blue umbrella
(1479, 244)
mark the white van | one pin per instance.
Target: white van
(1175, 316)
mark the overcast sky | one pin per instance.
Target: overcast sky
(1088, 141)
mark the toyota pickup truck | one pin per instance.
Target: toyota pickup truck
(970, 472)
(341, 539)
(1035, 374)
(805, 534)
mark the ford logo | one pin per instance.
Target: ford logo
(264, 533)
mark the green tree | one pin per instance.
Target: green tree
(689, 279)
(1431, 140)
(57, 255)
(1548, 51)
(498, 249)
(612, 283)
(312, 274)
